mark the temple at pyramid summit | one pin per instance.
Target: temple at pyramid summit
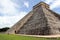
(39, 21)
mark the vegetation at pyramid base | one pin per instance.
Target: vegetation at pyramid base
(19, 37)
(4, 29)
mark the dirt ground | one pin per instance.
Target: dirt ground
(46, 36)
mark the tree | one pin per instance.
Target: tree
(4, 29)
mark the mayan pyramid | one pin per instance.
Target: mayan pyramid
(40, 21)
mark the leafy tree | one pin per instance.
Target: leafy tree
(4, 29)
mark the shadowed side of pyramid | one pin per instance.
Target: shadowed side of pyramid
(53, 21)
(40, 21)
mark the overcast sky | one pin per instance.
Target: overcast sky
(12, 11)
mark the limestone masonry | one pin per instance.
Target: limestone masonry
(40, 21)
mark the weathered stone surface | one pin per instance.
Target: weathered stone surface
(40, 21)
(53, 21)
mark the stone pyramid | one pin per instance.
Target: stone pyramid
(40, 21)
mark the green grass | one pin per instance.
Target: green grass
(16, 37)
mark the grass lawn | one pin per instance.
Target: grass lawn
(16, 37)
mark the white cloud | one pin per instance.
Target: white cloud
(49, 1)
(55, 4)
(8, 21)
(10, 12)
(8, 7)
(26, 3)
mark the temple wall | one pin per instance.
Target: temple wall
(53, 21)
(36, 24)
